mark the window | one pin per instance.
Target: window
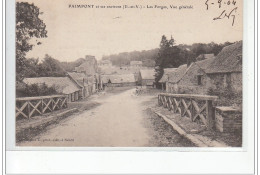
(199, 79)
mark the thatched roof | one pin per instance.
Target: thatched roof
(176, 75)
(118, 78)
(205, 56)
(228, 60)
(204, 64)
(147, 74)
(166, 73)
(78, 78)
(62, 84)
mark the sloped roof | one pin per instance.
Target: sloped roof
(204, 64)
(166, 73)
(205, 56)
(78, 77)
(118, 78)
(176, 75)
(228, 60)
(62, 84)
(147, 74)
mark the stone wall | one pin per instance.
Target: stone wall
(228, 119)
(236, 82)
(232, 81)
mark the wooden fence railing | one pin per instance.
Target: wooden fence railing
(195, 107)
(30, 106)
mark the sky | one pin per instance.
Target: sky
(76, 32)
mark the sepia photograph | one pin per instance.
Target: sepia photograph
(129, 73)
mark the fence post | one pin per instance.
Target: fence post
(29, 109)
(210, 114)
(42, 106)
(192, 110)
(66, 102)
(172, 104)
(159, 100)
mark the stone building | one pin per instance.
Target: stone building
(89, 66)
(221, 72)
(165, 77)
(225, 71)
(118, 80)
(145, 77)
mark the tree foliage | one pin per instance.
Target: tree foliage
(169, 55)
(49, 67)
(36, 90)
(28, 25)
(124, 58)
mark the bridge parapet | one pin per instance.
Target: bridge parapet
(29, 106)
(196, 107)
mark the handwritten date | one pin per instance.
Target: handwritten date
(219, 3)
(223, 4)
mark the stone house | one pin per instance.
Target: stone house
(165, 77)
(145, 77)
(191, 81)
(225, 71)
(220, 72)
(87, 83)
(174, 77)
(118, 80)
(89, 66)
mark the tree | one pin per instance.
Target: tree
(169, 56)
(164, 45)
(28, 25)
(51, 67)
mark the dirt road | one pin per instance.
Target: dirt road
(121, 120)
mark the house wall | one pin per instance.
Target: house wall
(147, 81)
(189, 82)
(121, 84)
(171, 88)
(237, 81)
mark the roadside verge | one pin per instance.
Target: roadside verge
(197, 139)
(26, 131)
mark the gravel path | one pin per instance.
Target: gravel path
(121, 120)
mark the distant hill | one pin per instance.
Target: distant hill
(124, 58)
(187, 53)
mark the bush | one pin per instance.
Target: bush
(36, 90)
(227, 97)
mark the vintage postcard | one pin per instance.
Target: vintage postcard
(152, 73)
